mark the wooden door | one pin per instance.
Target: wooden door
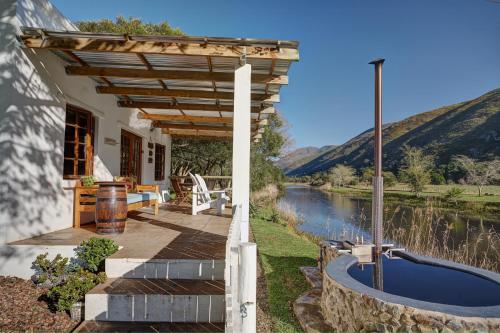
(131, 155)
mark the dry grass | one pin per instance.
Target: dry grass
(426, 232)
(286, 214)
(268, 193)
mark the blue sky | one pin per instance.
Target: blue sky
(437, 52)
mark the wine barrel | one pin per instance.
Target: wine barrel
(111, 208)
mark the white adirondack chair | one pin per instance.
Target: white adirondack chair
(202, 199)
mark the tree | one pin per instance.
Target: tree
(341, 175)
(416, 168)
(368, 173)
(129, 26)
(478, 173)
(263, 170)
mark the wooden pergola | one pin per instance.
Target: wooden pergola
(184, 85)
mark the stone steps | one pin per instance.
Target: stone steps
(156, 300)
(103, 326)
(191, 269)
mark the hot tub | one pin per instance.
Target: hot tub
(412, 294)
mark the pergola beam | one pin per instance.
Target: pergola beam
(194, 119)
(194, 127)
(154, 74)
(186, 107)
(152, 45)
(180, 93)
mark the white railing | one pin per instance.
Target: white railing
(240, 277)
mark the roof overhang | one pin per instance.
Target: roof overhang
(183, 84)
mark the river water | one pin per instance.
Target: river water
(421, 229)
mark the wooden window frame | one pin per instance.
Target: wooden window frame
(160, 152)
(89, 143)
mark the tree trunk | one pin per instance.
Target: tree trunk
(479, 188)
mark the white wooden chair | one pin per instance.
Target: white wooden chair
(202, 199)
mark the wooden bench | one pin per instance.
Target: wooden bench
(85, 199)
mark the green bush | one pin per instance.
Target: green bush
(453, 193)
(93, 253)
(74, 289)
(437, 178)
(50, 272)
(389, 179)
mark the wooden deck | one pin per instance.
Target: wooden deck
(173, 234)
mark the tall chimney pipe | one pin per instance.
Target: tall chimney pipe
(378, 181)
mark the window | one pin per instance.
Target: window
(159, 162)
(78, 144)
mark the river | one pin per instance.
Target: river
(427, 230)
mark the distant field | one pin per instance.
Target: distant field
(470, 193)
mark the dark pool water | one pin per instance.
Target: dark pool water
(428, 283)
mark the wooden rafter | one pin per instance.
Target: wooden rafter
(193, 127)
(130, 44)
(180, 93)
(183, 106)
(194, 119)
(158, 74)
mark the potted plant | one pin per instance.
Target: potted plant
(87, 180)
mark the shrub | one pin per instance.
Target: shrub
(453, 193)
(93, 253)
(389, 179)
(50, 273)
(74, 289)
(437, 178)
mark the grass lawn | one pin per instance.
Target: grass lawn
(469, 195)
(282, 252)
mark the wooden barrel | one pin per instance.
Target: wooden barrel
(111, 208)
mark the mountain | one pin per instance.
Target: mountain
(470, 128)
(301, 156)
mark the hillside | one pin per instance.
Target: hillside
(470, 128)
(300, 156)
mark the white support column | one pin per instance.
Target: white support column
(241, 145)
(248, 287)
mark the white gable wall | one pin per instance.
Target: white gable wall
(34, 90)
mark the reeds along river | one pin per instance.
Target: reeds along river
(425, 229)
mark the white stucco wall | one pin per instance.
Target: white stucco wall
(34, 91)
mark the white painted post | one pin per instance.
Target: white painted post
(194, 205)
(248, 283)
(241, 145)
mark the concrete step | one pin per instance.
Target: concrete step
(106, 326)
(192, 269)
(156, 300)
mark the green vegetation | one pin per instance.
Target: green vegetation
(70, 281)
(77, 284)
(129, 26)
(87, 180)
(93, 253)
(416, 169)
(341, 175)
(282, 252)
(50, 272)
(479, 173)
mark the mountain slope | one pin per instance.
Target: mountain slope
(471, 128)
(300, 156)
